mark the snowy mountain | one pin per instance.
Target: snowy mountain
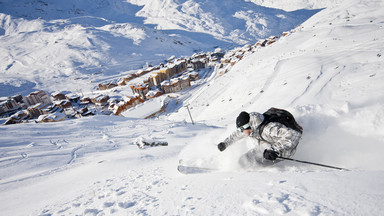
(237, 21)
(100, 40)
(326, 71)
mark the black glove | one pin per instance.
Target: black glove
(221, 146)
(270, 154)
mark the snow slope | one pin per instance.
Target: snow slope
(328, 73)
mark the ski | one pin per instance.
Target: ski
(193, 169)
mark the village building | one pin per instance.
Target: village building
(285, 34)
(37, 97)
(105, 86)
(146, 70)
(74, 98)
(246, 48)
(100, 100)
(8, 105)
(213, 59)
(52, 117)
(176, 84)
(153, 93)
(85, 101)
(199, 55)
(235, 60)
(37, 110)
(140, 89)
(155, 78)
(239, 54)
(52, 109)
(117, 106)
(198, 63)
(171, 69)
(59, 96)
(17, 98)
(185, 82)
(222, 68)
(64, 104)
(166, 87)
(194, 76)
(226, 60)
(123, 81)
(18, 117)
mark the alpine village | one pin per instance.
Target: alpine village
(175, 74)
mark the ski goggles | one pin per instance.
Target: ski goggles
(244, 127)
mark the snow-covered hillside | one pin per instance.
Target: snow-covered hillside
(328, 72)
(72, 45)
(298, 4)
(238, 21)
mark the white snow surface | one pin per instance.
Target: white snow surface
(328, 72)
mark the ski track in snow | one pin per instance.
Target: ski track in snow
(129, 192)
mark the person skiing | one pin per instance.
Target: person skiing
(276, 134)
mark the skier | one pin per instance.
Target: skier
(275, 132)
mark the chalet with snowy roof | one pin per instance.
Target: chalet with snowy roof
(37, 97)
(59, 96)
(52, 117)
(8, 105)
(194, 76)
(213, 59)
(100, 100)
(145, 71)
(165, 73)
(199, 55)
(171, 69)
(234, 61)
(166, 87)
(176, 84)
(64, 104)
(85, 100)
(52, 109)
(285, 34)
(239, 55)
(223, 68)
(18, 117)
(119, 106)
(198, 63)
(153, 93)
(37, 110)
(140, 89)
(185, 82)
(73, 98)
(246, 48)
(123, 81)
(155, 78)
(226, 60)
(271, 42)
(105, 86)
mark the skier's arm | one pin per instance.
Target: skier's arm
(230, 140)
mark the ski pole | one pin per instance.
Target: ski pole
(317, 164)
